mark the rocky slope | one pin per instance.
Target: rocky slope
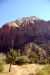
(29, 29)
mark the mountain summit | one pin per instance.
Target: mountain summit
(19, 22)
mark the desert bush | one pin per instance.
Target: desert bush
(22, 60)
(44, 71)
(43, 61)
(33, 58)
(2, 58)
(1, 67)
(48, 58)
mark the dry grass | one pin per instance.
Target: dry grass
(27, 69)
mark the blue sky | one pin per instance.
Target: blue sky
(13, 9)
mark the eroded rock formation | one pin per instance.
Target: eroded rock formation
(25, 30)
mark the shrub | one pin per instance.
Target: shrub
(48, 58)
(33, 58)
(43, 61)
(2, 58)
(44, 71)
(22, 60)
(1, 67)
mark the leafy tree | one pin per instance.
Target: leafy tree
(11, 57)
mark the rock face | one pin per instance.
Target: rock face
(29, 29)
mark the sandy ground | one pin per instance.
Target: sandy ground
(27, 69)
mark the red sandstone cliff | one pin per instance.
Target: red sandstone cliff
(19, 32)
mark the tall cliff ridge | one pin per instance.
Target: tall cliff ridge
(23, 31)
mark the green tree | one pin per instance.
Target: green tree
(11, 57)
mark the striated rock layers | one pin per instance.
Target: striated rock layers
(29, 29)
